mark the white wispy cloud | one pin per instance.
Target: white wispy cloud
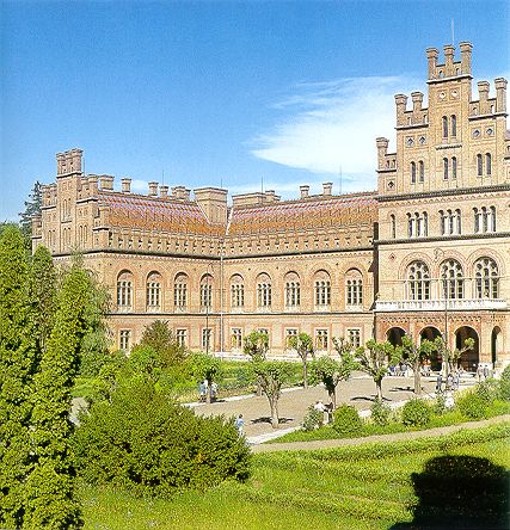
(332, 126)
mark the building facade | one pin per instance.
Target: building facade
(425, 254)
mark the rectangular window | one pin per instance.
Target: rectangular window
(289, 333)
(181, 335)
(125, 340)
(206, 339)
(321, 339)
(237, 338)
(354, 337)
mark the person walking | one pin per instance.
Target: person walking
(239, 424)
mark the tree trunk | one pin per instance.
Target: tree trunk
(417, 378)
(305, 374)
(259, 387)
(332, 396)
(378, 385)
(273, 403)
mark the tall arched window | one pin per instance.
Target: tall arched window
(322, 285)
(445, 168)
(292, 291)
(206, 289)
(153, 299)
(452, 279)
(393, 227)
(237, 291)
(354, 288)
(125, 291)
(454, 167)
(486, 278)
(445, 127)
(418, 281)
(479, 165)
(181, 292)
(264, 291)
(413, 172)
(488, 164)
(421, 171)
(453, 120)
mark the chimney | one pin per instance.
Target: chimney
(501, 84)
(327, 188)
(178, 192)
(153, 189)
(432, 55)
(304, 191)
(126, 185)
(270, 196)
(92, 184)
(465, 57)
(106, 182)
(163, 191)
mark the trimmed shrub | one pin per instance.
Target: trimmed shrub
(488, 390)
(313, 419)
(473, 405)
(416, 413)
(144, 442)
(504, 384)
(346, 421)
(381, 413)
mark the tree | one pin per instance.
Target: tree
(330, 371)
(409, 351)
(271, 376)
(303, 344)
(50, 500)
(32, 207)
(18, 362)
(373, 359)
(256, 345)
(206, 367)
(160, 337)
(450, 359)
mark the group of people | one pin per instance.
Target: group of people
(483, 371)
(451, 382)
(203, 390)
(327, 411)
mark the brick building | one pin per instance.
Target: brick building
(426, 254)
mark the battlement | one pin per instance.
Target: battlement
(450, 68)
(69, 162)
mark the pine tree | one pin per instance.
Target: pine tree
(50, 499)
(32, 207)
(17, 367)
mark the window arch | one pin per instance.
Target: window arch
(322, 285)
(445, 126)
(264, 293)
(292, 290)
(453, 121)
(488, 164)
(418, 281)
(452, 279)
(479, 165)
(237, 291)
(485, 219)
(445, 168)
(125, 290)
(454, 167)
(153, 291)
(413, 172)
(353, 288)
(393, 226)
(181, 292)
(486, 278)
(206, 290)
(421, 171)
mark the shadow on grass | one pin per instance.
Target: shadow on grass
(461, 493)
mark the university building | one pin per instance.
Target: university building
(426, 254)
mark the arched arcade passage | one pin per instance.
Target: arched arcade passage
(469, 359)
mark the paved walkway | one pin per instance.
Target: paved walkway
(358, 391)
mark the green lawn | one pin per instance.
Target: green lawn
(350, 488)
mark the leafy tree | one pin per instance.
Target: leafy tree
(373, 359)
(206, 367)
(17, 367)
(256, 345)
(50, 487)
(271, 376)
(330, 371)
(415, 354)
(160, 337)
(303, 344)
(450, 358)
(32, 207)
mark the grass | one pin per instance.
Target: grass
(366, 487)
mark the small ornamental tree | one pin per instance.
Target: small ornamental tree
(303, 344)
(409, 351)
(271, 376)
(256, 345)
(206, 367)
(373, 359)
(450, 358)
(160, 337)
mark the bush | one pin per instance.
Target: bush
(416, 413)
(473, 405)
(313, 419)
(144, 442)
(439, 407)
(488, 390)
(346, 421)
(381, 413)
(504, 384)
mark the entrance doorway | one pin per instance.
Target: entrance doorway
(430, 333)
(469, 359)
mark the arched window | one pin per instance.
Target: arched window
(457, 222)
(413, 172)
(418, 281)
(486, 278)
(292, 291)
(421, 171)
(477, 220)
(354, 288)
(153, 291)
(452, 279)
(206, 289)
(443, 222)
(491, 223)
(322, 290)
(125, 291)
(488, 164)
(445, 169)
(479, 165)
(454, 167)
(264, 291)
(237, 291)
(410, 225)
(445, 127)
(181, 292)
(393, 227)
(453, 120)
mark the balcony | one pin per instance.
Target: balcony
(474, 304)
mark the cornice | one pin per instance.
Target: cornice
(464, 237)
(444, 193)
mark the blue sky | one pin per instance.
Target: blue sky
(221, 93)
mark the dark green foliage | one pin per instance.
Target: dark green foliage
(346, 421)
(313, 419)
(32, 208)
(18, 358)
(159, 337)
(145, 442)
(473, 405)
(256, 345)
(416, 413)
(439, 407)
(381, 413)
(504, 384)
(303, 344)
